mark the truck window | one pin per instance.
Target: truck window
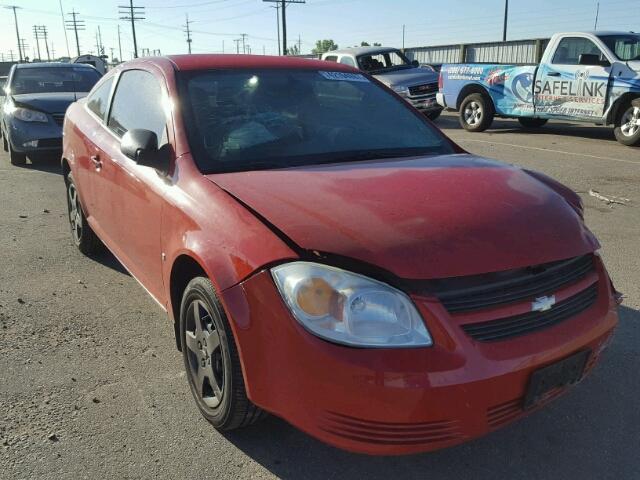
(570, 49)
(348, 61)
(331, 58)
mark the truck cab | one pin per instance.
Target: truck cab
(417, 85)
(591, 77)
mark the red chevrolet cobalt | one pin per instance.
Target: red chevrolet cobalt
(329, 256)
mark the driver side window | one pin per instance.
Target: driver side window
(570, 48)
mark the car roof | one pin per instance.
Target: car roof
(229, 61)
(52, 65)
(356, 51)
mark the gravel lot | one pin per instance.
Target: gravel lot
(91, 385)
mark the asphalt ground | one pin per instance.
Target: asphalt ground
(91, 385)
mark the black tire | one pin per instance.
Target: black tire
(476, 113)
(532, 122)
(16, 158)
(627, 124)
(5, 145)
(433, 116)
(84, 238)
(211, 359)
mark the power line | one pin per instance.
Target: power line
(283, 7)
(132, 13)
(15, 16)
(188, 31)
(75, 25)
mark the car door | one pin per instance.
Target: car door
(566, 88)
(138, 191)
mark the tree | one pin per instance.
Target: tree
(324, 46)
(367, 44)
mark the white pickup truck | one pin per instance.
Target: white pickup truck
(591, 77)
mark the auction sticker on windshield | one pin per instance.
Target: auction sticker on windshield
(349, 77)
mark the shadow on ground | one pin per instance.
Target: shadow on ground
(591, 432)
(502, 126)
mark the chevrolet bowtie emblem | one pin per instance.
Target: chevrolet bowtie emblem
(542, 304)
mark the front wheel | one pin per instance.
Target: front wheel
(211, 359)
(532, 122)
(627, 125)
(433, 115)
(476, 113)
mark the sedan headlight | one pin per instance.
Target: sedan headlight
(28, 115)
(348, 308)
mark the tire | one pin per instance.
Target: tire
(627, 124)
(433, 116)
(211, 359)
(5, 145)
(16, 158)
(532, 122)
(83, 236)
(476, 113)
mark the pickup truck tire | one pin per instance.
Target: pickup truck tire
(532, 122)
(476, 113)
(627, 125)
(434, 115)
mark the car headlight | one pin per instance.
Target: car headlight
(28, 115)
(402, 91)
(348, 308)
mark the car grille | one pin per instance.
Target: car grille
(58, 118)
(425, 89)
(464, 294)
(50, 143)
(509, 327)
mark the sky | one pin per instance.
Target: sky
(217, 23)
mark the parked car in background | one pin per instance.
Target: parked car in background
(327, 255)
(37, 97)
(417, 85)
(591, 77)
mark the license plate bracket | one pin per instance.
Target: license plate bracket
(560, 374)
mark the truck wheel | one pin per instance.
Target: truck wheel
(433, 116)
(532, 122)
(476, 113)
(16, 158)
(627, 126)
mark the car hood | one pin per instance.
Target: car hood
(408, 77)
(419, 218)
(48, 102)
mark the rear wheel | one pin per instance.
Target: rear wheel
(476, 113)
(211, 359)
(16, 158)
(83, 236)
(532, 122)
(627, 125)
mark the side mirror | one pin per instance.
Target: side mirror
(141, 146)
(592, 60)
(415, 63)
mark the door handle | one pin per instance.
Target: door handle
(553, 74)
(97, 163)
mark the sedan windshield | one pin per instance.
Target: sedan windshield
(626, 46)
(53, 79)
(279, 118)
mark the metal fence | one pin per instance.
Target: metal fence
(515, 51)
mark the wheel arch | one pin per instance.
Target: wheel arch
(616, 108)
(471, 89)
(65, 167)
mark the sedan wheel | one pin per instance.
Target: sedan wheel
(83, 236)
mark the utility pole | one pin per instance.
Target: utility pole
(43, 30)
(120, 45)
(277, 7)
(53, 51)
(283, 7)
(22, 43)
(187, 30)
(11, 57)
(506, 17)
(299, 44)
(75, 25)
(403, 28)
(237, 42)
(15, 17)
(244, 46)
(112, 50)
(134, 14)
(100, 45)
(36, 33)
(64, 29)
(595, 25)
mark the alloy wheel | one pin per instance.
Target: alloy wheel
(205, 358)
(630, 123)
(75, 213)
(473, 113)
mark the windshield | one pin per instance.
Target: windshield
(279, 118)
(53, 79)
(626, 46)
(391, 60)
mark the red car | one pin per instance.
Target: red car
(329, 256)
